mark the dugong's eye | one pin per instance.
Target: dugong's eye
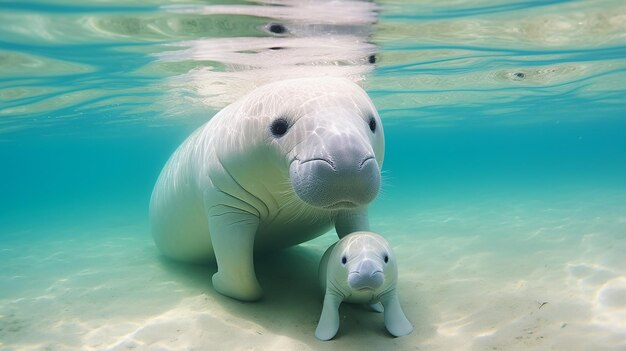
(344, 260)
(372, 124)
(386, 258)
(279, 127)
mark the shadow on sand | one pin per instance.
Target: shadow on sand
(292, 301)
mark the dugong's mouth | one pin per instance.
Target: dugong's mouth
(366, 279)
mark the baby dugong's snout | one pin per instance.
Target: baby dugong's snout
(367, 275)
(346, 176)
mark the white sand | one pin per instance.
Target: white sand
(473, 276)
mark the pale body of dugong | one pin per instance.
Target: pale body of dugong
(360, 268)
(278, 167)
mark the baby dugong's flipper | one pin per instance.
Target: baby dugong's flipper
(395, 321)
(329, 320)
(360, 268)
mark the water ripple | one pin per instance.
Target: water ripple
(164, 62)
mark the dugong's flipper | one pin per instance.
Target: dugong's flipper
(232, 235)
(377, 307)
(351, 221)
(329, 320)
(395, 321)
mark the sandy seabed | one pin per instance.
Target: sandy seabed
(493, 275)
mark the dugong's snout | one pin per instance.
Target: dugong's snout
(342, 174)
(367, 275)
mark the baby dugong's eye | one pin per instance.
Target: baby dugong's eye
(386, 258)
(279, 127)
(344, 260)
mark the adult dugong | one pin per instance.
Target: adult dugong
(360, 268)
(278, 167)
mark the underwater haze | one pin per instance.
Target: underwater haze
(504, 181)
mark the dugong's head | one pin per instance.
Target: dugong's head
(328, 135)
(360, 264)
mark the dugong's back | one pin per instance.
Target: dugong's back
(177, 213)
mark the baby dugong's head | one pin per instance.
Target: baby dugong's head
(361, 265)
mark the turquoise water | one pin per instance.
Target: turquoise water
(504, 177)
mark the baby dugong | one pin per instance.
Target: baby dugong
(360, 268)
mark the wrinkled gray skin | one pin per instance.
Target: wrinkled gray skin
(360, 268)
(243, 183)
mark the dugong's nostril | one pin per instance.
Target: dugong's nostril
(330, 162)
(332, 165)
(368, 158)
